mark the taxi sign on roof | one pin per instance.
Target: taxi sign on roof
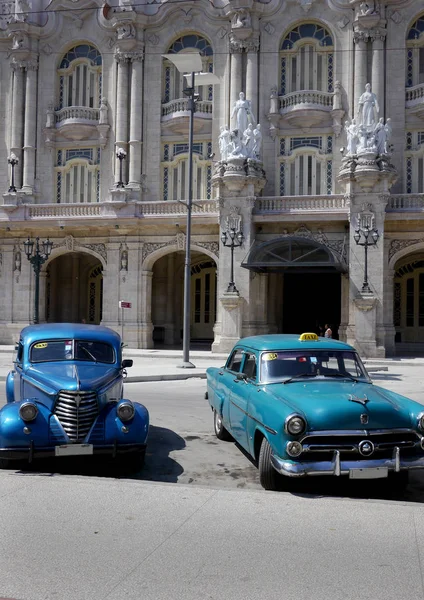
(308, 337)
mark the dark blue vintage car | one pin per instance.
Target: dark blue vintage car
(65, 397)
(306, 406)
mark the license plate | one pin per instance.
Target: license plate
(73, 450)
(371, 473)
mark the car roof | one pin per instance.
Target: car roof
(54, 331)
(289, 341)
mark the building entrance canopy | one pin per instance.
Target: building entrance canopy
(293, 254)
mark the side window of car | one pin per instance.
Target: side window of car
(20, 353)
(249, 367)
(235, 361)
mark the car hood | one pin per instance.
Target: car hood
(337, 405)
(72, 376)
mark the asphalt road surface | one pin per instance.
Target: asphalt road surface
(183, 449)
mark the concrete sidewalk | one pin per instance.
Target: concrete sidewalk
(164, 365)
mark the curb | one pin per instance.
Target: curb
(169, 377)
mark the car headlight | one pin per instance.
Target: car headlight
(420, 421)
(294, 425)
(294, 448)
(28, 411)
(126, 411)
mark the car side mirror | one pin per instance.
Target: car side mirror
(241, 376)
(127, 362)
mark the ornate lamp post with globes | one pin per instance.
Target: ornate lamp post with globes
(13, 161)
(232, 239)
(120, 155)
(37, 257)
(366, 237)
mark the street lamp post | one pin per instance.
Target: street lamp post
(190, 63)
(13, 161)
(120, 155)
(232, 239)
(37, 257)
(366, 237)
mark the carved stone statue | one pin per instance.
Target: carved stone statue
(248, 140)
(125, 31)
(241, 19)
(368, 108)
(236, 148)
(337, 96)
(22, 8)
(368, 7)
(380, 136)
(224, 142)
(257, 142)
(242, 111)
(50, 120)
(103, 110)
(388, 130)
(274, 101)
(352, 136)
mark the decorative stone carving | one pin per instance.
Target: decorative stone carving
(22, 8)
(368, 108)
(396, 17)
(103, 112)
(212, 247)
(274, 105)
(366, 217)
(123, 257)
(241, 19)
(69, 243)
(153, 39)
(125, 31)
(98, 248)
(343, 22)
(233, 220)
(180, 240)
(224, 142)
(149, 248)
(17, 259)
(336, 246)
(397, 245)
(338, 111)
(306, 4)
(269, 28)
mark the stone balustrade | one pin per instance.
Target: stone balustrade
(312, 97)
(54, 211)
(79, 113)
(289, 204)
(405, 202)
(182, 105)
(414, 95)
(167, 208)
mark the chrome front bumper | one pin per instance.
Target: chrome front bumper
(337, 466)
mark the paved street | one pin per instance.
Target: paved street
(195, 523)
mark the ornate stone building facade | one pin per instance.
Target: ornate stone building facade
(82, 79)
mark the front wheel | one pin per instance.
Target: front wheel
(268, 476)
(220, 431)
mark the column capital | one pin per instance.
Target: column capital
(238, 45)
(122, 57)
(361, 35)
(30, 64)
(377, 34)
(136, 56)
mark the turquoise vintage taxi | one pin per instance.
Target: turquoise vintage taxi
(305, 405)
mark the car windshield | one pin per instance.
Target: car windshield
(55, 350)
(306, 365)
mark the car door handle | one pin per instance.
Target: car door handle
(220, 373)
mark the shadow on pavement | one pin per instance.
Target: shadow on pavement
(385, 377)
(158, 464)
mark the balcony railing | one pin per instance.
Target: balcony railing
(175, 208)
(54, 211)
(79, 113)
(289, 204)
(414, 95)
(181, 105)
(316, 98)
(405, 202)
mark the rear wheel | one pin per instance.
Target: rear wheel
(220, 431)
(268, 476)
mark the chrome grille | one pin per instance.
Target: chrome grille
(348, 442)
(76, 412)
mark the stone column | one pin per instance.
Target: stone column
(146, 325)
(236, 72)
(360, 78)
(17, 124)
(43, 297)
(170, 308)
(121, 131)
(252, 77)
(75, 288)
(378, 70)
(30, 126)
(136, 120)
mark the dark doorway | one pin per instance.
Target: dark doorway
(310, 300)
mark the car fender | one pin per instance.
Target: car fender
(12, 426)
(10, 386)
(129, 432)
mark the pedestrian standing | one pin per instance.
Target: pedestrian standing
(328, 333)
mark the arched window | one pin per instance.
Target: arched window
(173, 82)
(414, 162)
(306, 166)
(307, 59)
(78, 176)
(175, 171)
(415, 54)
(80, 77)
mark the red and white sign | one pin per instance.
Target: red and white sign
(123, 304)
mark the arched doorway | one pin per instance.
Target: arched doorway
(74, 289)
(168, 298)
(408, 300)
(304, 283)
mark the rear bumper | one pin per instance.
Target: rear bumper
(343, 467)
(32, 452)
